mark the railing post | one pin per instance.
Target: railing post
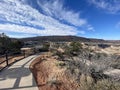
(24, 53)
(34, 50)
(6, 55)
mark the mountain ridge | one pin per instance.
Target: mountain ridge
(62, 38)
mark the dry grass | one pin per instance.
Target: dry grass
(87, 83)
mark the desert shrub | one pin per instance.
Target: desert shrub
(61, 64)
(73, 48)
(7, 44)
(99, 57)
(116, 65)
(60, 55)
(4, 44)
(83, 61)
(15, 46)
(104, 84)
(45, 47)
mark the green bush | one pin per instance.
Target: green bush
(75, 46)
(46, 46)
(7, 44)
(73, 49)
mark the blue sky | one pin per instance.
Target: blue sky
(86, 18)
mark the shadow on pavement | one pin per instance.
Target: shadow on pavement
(17, 73)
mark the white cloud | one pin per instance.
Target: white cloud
(56, 8)
(20, 17)
(30, 30)
(111, 6)
(90, 28)
(22, 35)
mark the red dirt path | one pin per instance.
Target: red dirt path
(50, 77)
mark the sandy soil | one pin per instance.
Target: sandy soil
(109, 50)
(49, 76)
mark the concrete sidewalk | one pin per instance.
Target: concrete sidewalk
(18, 76)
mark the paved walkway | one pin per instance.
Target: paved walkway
(18, 76)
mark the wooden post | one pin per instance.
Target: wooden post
(24, 53)
(6, 55)
(34, 50)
